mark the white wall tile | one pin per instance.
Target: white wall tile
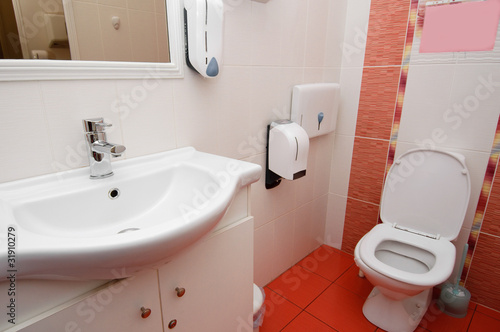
(350, 88)
(341, 164)
(66, 105)
(356, 26)
(88, 28)
(318, 222)
(284, 242)
(316, 45)
(335, 220)
(330, 75)
(427, 97)
(26, 149)
(264, 255)
(117, 43)
(305, 185)
(294, 31)
(233, 112)
(115, 3)
(195, 106)
(476, 93)
(265, 32)
(144, 5)
(303, 243)
(238, 37)
(278, 31)
(261, 198)
(337, 16)
(146, 130)
(143, 35)
(322, 165)
(321, 75)
(451, 106)
(283, 197)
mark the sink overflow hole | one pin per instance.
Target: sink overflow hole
(114, 193)
(128, 230)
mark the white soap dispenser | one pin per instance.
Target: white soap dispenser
(203, 29)
(287, 152)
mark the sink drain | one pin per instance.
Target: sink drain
(114, 193)
(128, 230)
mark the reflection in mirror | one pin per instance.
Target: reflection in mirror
(104, 30)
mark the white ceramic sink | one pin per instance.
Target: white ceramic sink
(68, 226)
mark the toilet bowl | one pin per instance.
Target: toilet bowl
(422, 209)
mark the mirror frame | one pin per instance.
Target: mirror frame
(27, 70)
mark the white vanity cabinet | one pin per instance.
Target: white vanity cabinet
(217, 276)
(115, 307)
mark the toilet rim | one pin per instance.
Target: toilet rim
(442, 249)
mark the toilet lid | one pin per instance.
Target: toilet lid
(427, 191)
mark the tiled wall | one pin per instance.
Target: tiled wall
(35, 35)
(440, 107)
(141, 36)
(269, 48)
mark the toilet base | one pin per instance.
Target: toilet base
(396, 316)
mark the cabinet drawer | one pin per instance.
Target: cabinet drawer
(113, 308)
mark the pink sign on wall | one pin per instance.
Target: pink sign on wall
(469, 26)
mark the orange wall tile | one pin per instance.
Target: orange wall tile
(483, 280)
(360, 217)
(491, 221)
(377, 102)
(367, 169)
(386, 32)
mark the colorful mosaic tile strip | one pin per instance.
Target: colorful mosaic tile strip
(483, 199)
(402, 83)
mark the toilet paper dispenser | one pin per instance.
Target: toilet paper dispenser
(287, 151)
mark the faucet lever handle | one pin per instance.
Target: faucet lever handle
(95, 125)
(102, 126)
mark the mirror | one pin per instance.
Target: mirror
(136, 40)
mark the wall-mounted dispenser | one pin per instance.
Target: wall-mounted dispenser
(287, 152)
(315, 107)
(203, 29)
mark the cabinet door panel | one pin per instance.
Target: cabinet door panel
(217, 275)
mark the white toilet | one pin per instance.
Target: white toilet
(422, 209)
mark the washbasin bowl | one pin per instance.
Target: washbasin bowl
(67, 226)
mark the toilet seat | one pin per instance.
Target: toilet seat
(442, 249)
(427, 191)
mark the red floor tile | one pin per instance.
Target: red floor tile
(338, 306)
(351, 281)
(481, 323)
(306, 322)
(341, 309)
(328, 262)
(299, 285)
(437, 321)
(489, 312)
(279, 312)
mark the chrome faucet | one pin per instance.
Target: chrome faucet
(99, 150)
